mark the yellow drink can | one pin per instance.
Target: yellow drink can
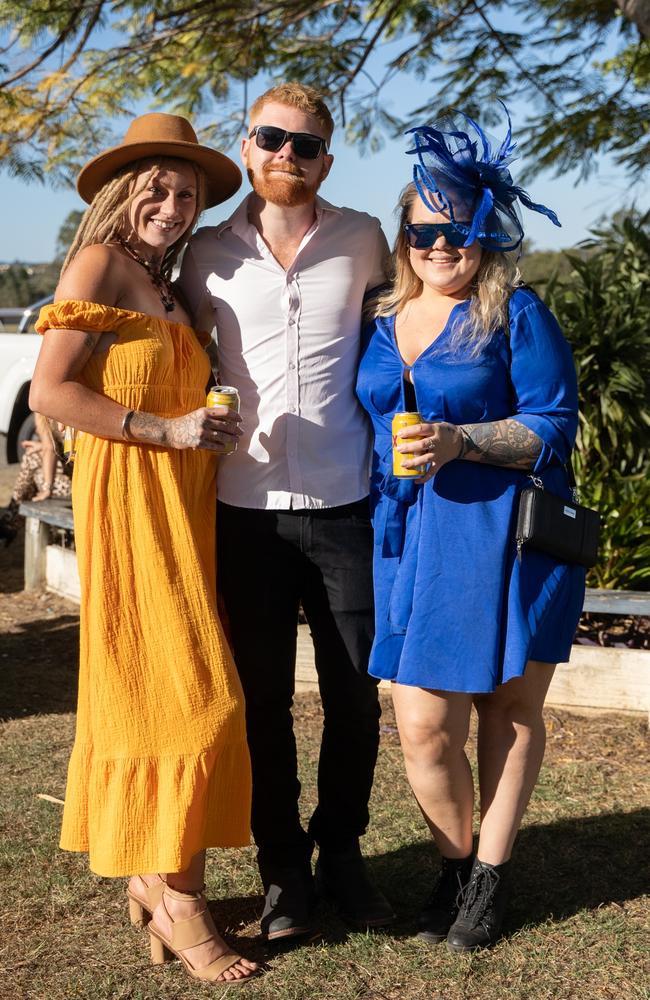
(69, 444)
(224, 395)
(401, 420)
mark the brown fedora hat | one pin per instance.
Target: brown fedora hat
(157, 134)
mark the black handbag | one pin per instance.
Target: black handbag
(561, 528)
(548, 523)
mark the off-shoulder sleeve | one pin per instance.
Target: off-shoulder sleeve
(543, 377)
(72, 314)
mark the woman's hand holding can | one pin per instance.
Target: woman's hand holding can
(428, 444)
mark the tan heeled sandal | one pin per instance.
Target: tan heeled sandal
(188, 934)
(143, 900)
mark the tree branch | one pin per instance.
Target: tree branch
(90, 27)
(69, 29)
(637, 11)
(353, 73)
(496, 35)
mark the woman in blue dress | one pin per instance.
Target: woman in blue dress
(462, 619)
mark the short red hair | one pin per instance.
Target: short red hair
(297, 95)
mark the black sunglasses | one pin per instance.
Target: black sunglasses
(271, 138)
(422, 235)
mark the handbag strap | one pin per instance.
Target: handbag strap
(568, 467)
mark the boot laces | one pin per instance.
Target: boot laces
(476, 900)
(448, 882)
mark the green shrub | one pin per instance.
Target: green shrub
(604, 310)
(623, 503)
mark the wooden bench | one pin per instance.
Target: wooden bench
(596, 678)
(52, 566)
(58, 513)
(617, 602)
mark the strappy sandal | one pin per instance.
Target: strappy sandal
(143, 900)
(188, 934)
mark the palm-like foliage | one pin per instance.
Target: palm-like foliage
(604, 309)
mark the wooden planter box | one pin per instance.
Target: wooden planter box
(604, 678)
(597, 678)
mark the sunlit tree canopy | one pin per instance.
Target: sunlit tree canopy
(582, 67)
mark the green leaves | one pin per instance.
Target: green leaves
(581, 67)
(604, 309)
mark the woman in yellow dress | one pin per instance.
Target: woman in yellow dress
(159, 769)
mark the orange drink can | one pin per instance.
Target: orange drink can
(224, 395)
(401, 420)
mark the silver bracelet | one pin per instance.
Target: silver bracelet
(126, 424)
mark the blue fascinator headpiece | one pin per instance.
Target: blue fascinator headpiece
(462, 173)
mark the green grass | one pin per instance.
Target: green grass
(578, 926)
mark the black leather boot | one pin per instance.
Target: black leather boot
(443, 904)
(289, 903)
(478, 924)
(342, 878)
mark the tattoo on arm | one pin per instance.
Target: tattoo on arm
(148, 428)
(184, 432)
(501, 442)
(175, 432)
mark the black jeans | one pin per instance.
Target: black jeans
(268, 562)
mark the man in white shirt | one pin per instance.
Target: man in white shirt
(283, 281)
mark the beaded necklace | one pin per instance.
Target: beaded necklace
(162, 284)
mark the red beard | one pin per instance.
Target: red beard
(287, 192)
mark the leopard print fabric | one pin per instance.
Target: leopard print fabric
(29, 480)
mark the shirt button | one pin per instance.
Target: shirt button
(291, 366)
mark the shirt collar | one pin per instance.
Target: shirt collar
(238, 222)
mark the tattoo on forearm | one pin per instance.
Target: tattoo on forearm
(148, 428)
(501, 442)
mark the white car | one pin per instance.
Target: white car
(18, 353)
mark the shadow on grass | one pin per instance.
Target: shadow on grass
(12, 562)
(580, 863)
(38, 668)
(559, 869)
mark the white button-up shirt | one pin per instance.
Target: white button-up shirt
(289, 342)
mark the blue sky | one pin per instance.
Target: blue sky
(32, 213)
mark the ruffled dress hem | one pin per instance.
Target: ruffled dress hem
(154, 833)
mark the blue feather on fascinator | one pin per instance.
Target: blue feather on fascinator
(463, 174)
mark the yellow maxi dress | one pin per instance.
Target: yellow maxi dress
(160, 766)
